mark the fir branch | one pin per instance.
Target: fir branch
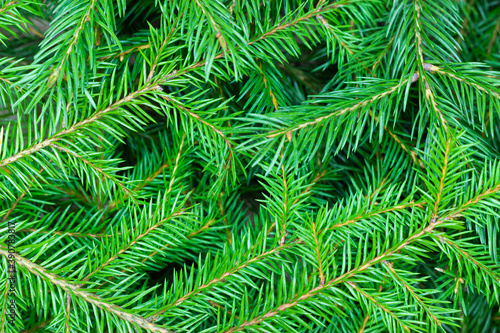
(344, 278)
(152, 254)
(199, 119)
(318, 255)
(77, 126)
(127, 246)
(188, 237)
(378, 304)
(97, 169)
(65, 233)
(222, 277)
(332, 31)
(7, 5)
(339, 112)
(297, 165)
(466, 80)
(92, 299)
(469, 257)
(410, 289)
(83, 21)
(259, 38)
(298, 20)
(429, 95)
(486, 194)
(375, 213)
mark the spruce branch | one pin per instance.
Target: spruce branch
(465, 79)
(467, 256)
(127, 246)
(375, 213)
(344, 278)
(75, 127)
(92, 299)
(473, 201)
(72, 42)
(249, 166)
(321, 8)
(413, 293)
(370, 298)
(188, 237)
(7, 6)
(97, 169)
(340, 112)
(224, 276)
(67, 234)
(428, 93)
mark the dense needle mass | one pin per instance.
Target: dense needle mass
(257, 166)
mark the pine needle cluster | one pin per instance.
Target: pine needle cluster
(249, 166)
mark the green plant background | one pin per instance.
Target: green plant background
(250, 165)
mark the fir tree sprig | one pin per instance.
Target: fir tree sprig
(257, 166)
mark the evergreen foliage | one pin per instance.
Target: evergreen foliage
(257, 166)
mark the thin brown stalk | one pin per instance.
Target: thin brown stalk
(268, 87)
(68, 234)
(493, 37)
(363, 325)
(318, 255)
(443, 175)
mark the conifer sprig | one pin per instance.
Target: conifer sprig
(249, 166)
